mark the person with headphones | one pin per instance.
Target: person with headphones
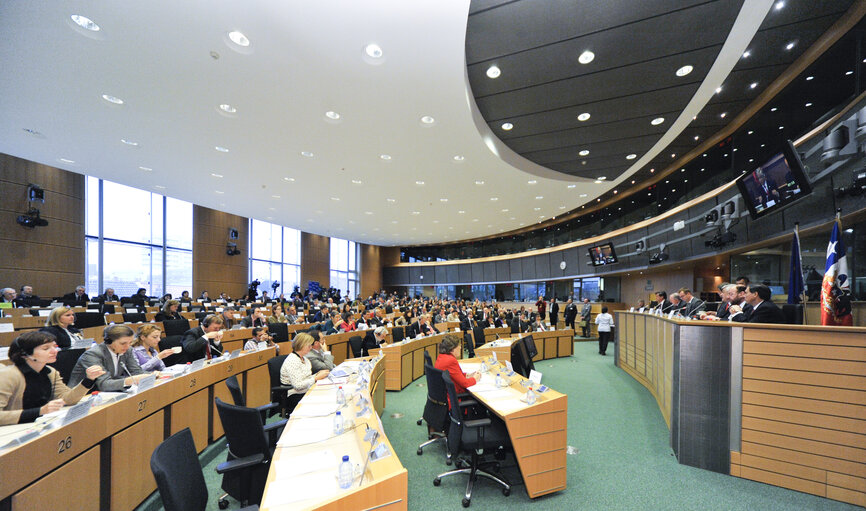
(30, 388)
(121, 367)
(204, 341)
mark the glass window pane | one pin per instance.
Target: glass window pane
(260, 239)
(276, 243)
(156, 213)
(127, 213)
(127, 267)
(92, 268)
(291, 246)
(339, 255)
(155, 288)
(178, 225)
(178, 272)
(91, 198)
(267, 273)
(291, 278)
(353, 252)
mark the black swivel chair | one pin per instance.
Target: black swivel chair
(473, 436)
(435, 409)
(178, 475)
(397, 334)
(478, 334)
(266, 411)
(66, 360)
(528, 352)
(246, 436)
(515, 325)
(279, 392)
(279, 331)
(173, 341)
(175, 326)
(793, 313)
(356, 344)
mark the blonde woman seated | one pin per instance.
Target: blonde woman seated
(59, 325)
(297, 371)
(30, 388)
(146, 349)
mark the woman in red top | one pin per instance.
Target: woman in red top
(348, 324)
(449, 350)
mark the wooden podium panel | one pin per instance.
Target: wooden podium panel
(72, 486)
(191, 412)
(131, 479)
(258, 386)
(219, 391)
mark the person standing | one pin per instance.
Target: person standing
(541, 305)
(570, 314)
(585, 313)
(554, 313)
(605, 324)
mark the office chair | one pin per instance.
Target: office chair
(246, 435)
(178, 475)
(356, 346)
(265, 411)
(531, 350)
(66, 360)
(435, 409)
(524, 353)
(515, 325)
(397, 334)
(138, 317)
(793, 313)
(473, 436)
(478, 335)
(279, 392)
(175, 326)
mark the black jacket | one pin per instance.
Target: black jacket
(194, 344)
(63, 341)
(766, 312)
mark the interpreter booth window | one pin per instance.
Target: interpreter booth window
(275, 257)
(136, 239)
(344, 266)
(587, 288)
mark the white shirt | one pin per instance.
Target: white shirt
(604, 322)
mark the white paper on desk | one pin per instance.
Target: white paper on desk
(497, 395)
(306, 463)
(319, 485)
(488, 379)
(7, 327)
(326, 397)
(508, 405)
(482, 387)
(535, 376)
(300, 431)
(314, 410)
(469, 367)
(332, 381)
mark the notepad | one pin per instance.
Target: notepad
(320, 485)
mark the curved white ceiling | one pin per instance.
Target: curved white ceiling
(173, 64)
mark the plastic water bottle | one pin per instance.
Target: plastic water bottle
(499, 381)
(381, 353)
(345, 472)
(338, 424)
(341, 397)
(483, 367)
(530, 397)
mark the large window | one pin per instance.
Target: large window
(344, 266)
(134, 239)
(275, 257)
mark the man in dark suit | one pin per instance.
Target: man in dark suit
(79, 297)
(423, 327)
(570, 313)
(257, 318)
(585, 315)
(767, 189)
(691, 304)
(322, 315)
(763, 310)
(554, 313)
(664, 305)
(204, 341)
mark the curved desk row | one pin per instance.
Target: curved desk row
(550, 344)
(780, 404)
(102, 461)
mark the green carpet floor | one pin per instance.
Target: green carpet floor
(622, 457)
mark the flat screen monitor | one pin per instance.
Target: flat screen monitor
(775, 184)
(602, 255)
(89, 319)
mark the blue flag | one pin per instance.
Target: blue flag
(795, 279)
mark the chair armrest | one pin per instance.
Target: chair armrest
(463, 395)
(281, 387)
(269, 406)
(467, 403)
(275, 425)
(274, 430)
(240, 463)
(477, 423)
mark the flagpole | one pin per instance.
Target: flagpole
(803, 292)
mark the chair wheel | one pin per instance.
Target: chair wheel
(419, 452)
(506, 491)
(466, 502)
(448, 461)
(223, 504)
(418, 422)
(437, 482)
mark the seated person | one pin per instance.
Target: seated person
(449, 349)
(204, 298)
(348, 323)
(277, 315)
(146, 349)
(78, 297)
(400, 321)
(319, 356)
(169, 311)
(260, 334)
(257, 318)
(204, 341)
(332, 326)
(228, 315)
(374, 340)
(27, 293)
(108, 296)
(763, 310)
(29, 387)
(292, 316)
(121, 366)
(422, 327)
(538, 325)
(59, 324)
(297, 371)
(8, 295)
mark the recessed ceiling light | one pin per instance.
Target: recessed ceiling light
(443, 199)
(614, 192)
(584, 152)
(419, 182)
(334, 116)
(631, 156)
(601, 178)
(356, 181)
(493, 72)
(719, 89)
(368, 212)
(307, 154)
(479, 183)
(539, 197)
(335, 198)
(272, 209)
(597, 182)
(572, 186)
(461, 212)
(159, 187)
(657, 121)
(66, 160)
(652, 170)
(275, 196)
(536, 209)
(683, 71)
(673, 155)
(849, 73)
(773, 109)
(749, 133)
(781, 127)
(221, 149)
(391, 200)
(85, 22)
(561, 207)
(778, 5)
(416, 212)
(808, 104)
(494, 198)
(146, 169)
(753, 85)
(228, 108)
(583, 117)
(212, 174)
(810, 78)
(239, 38)
(790, 45)
(459, 158)
(219, 192)
(289, 179)
(582, 195)
(507, 126)
(474, 219)
(385, 157)
(505, 210)
(374, 51)
(747, 54)
(586, 57)
(428, 120)
(129, 142)
(723, 115)
(112, 99)
(531, 182)
(697, 137)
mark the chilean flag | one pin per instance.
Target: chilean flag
(835, 281)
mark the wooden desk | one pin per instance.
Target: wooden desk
(404, 362)
(103, 460)
(538, 433)
(385, 483)
(550, 344)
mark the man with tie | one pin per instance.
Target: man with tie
(763, 310)
(692, 305)
(79, 297)
(570, 313)
(585, 314)
(204, 341)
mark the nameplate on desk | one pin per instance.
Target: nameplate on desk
(509, 367)
(671, 314)
(44, 313)
(535, 377)
(631, 310)
(7, 327)
(218, 309)
(235, 353)
(76, 412)
(146, 383)
(26, 437)
(81, 343)
(132, 311)
(197, 364)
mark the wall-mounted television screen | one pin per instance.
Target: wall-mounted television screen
(775, 184)
(602, 255)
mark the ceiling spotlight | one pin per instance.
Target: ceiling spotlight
(697, 137)
(66, 160)
(586, 57)
(146, 169)
(212, 174)
(531, 182)
(584, 152)
(239, 38)
(790, 46)
(657, 121)
(536, 209)
(808, 104)
(849, 73)
(385, 157)
(631, 156)
(810, 78)
(778, 5)
(753, 85)
(419, 182)
(583, 117)
(416, 212)
(219, 192)
(773, 109)
(443, 199)
(221, 149)
(129, 142)
(289, 179)
(160, 187)
(539, 197)
(781, 127)
(493, 72)
(356, 181)
(334, 116)
(597, 182)
(428, 120)
(494, 198)
(112, 99)
(459, 158)
(391, 200)
(683, 71)
(572, 186)
(747, 54)
(601, 178)
(505, 210)
(582, 195)
(374, 51)
(479, 183)
(85, 22)
(228, 108)
(507, 126)
(461, 212)
(335, 198)
(719, 89)
(307, 154)
(723, 115)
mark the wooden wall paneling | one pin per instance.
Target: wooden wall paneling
(315, 259)
(72, 486)
(215, 271)
(371, 268)
(130, 462)
(188, 413)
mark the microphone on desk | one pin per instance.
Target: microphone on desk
(214, 347)
(497, 337)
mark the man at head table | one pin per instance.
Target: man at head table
(204, 341)
(78, 297)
